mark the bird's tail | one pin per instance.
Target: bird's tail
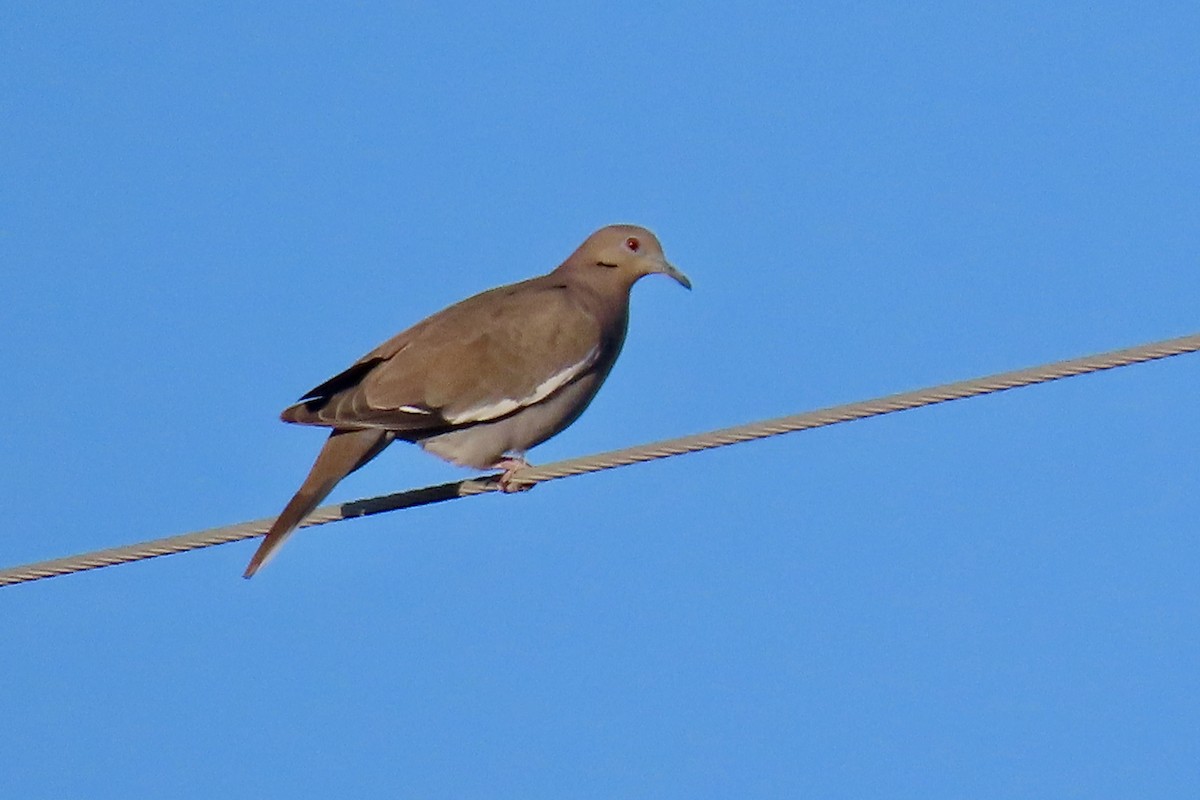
(344, 452)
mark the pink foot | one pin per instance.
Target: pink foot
(508, 484)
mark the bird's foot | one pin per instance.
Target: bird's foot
(508, 483)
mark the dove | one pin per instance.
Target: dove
(482, 381)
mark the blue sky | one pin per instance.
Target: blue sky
(205, 211)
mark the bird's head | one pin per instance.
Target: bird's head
(620, 254)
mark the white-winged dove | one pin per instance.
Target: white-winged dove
(484, 380)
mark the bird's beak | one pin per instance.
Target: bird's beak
(667, 268)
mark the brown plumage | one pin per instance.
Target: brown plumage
(484, 380)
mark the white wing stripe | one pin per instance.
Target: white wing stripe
(499, 408)
(414, 410)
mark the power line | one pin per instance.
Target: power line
(616, 458)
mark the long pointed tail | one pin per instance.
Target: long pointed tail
(344, 452)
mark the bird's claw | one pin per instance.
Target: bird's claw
(509, 484)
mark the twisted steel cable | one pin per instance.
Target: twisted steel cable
(617, 458)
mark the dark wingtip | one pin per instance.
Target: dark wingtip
(304, 412)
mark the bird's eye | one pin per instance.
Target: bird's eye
(633, 244)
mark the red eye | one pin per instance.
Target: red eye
(633, 244)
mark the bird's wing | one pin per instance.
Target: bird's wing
(479, 360)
